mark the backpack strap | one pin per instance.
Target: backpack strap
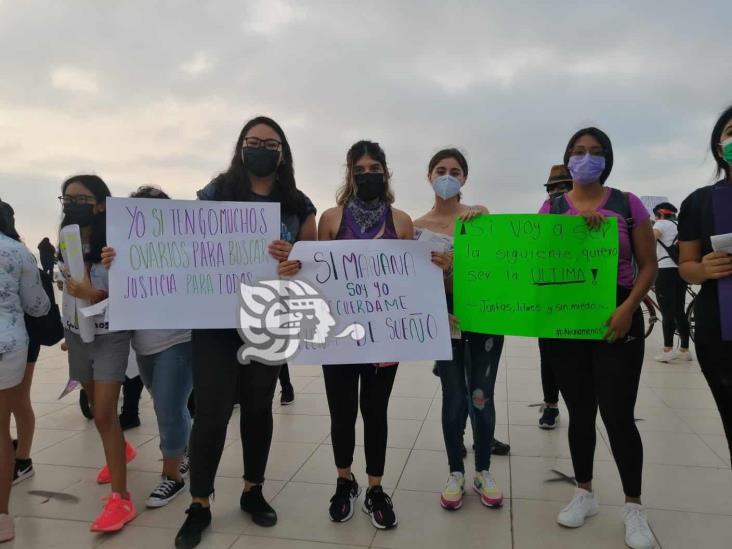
(558, 204)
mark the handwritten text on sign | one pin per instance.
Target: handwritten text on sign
(390, 287)
(180, 263)
(535, 275)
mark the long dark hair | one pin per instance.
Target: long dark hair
(605, 143)
(7, 221)
(98, 238)
(234, 184)
(355, 153)
(722, 166)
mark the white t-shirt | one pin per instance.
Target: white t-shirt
(668, 230)
(151, 342)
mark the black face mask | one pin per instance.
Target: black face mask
(369, 186)
(79, 214)
(260, 162)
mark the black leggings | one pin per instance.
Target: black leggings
(671, 292)
(341, 388)
(715, 360)
(131, 393)
(597, 373)
(218, 380)
(285, 375)
(548, 379)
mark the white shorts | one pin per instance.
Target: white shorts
(12, 367)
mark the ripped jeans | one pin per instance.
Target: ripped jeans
(468, 381)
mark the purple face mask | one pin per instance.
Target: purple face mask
(586, 169)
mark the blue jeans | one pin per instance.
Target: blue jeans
(168, 375)
(468, 381)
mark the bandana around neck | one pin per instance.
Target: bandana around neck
(365, 219)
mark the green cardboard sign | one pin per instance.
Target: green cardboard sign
(535, 275)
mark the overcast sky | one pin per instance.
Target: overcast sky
(157, 92)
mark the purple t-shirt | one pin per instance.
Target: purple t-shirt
(638, 212)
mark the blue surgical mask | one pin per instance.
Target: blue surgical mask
(446, 186)
(586, 168)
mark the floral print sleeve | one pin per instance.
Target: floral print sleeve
(33, 297)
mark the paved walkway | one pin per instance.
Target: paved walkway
(687, 481)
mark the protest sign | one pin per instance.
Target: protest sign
(179, 263)
(390, 287)
(73, 256)
(535, 275)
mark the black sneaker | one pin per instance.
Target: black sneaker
(288, 395)
(342, 502)
(549, 418)
(23, 470)
(185, 465)
(378, 506)
(84, 405)
(253, 502)
(198, 519)
(129, 421)
(165, 492)
(500, 448)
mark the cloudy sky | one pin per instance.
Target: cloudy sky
(155, 92)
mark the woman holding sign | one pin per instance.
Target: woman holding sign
(261, 170)
(100, 364)
(470, 377)
(164, 360)
(705, 246)
(364, 211)
(606, 374)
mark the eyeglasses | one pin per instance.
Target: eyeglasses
(256, 143)
(581, 151)
(77, 199)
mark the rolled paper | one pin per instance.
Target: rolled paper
(73, 255)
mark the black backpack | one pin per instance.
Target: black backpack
(47, 329)
(617, 202)
(673, 249)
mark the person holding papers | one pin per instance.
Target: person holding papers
(100, 364)
(261, 170)
(705, 246)
(606, 373)
(469, 379)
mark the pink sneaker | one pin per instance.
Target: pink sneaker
(117, 512)
(7, 527)
(104, 476)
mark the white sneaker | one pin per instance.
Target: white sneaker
(638, 534)
(667, 356)
(684, 356)
(452, 494)
(583, 505)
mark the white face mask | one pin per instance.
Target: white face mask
(446, 186)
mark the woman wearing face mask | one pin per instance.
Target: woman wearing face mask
(364, 212)
(606, 373)
(100, 365)
(22, 292)
(260, 171)
(707, 212)
(469, 378)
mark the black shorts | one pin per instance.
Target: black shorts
(34, 349)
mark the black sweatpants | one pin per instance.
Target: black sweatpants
(342, 390)
(285, 375)
(594, 374)
(218, 380)
(671, 292)
(715, 360)
(131, 393)
(548, 379)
